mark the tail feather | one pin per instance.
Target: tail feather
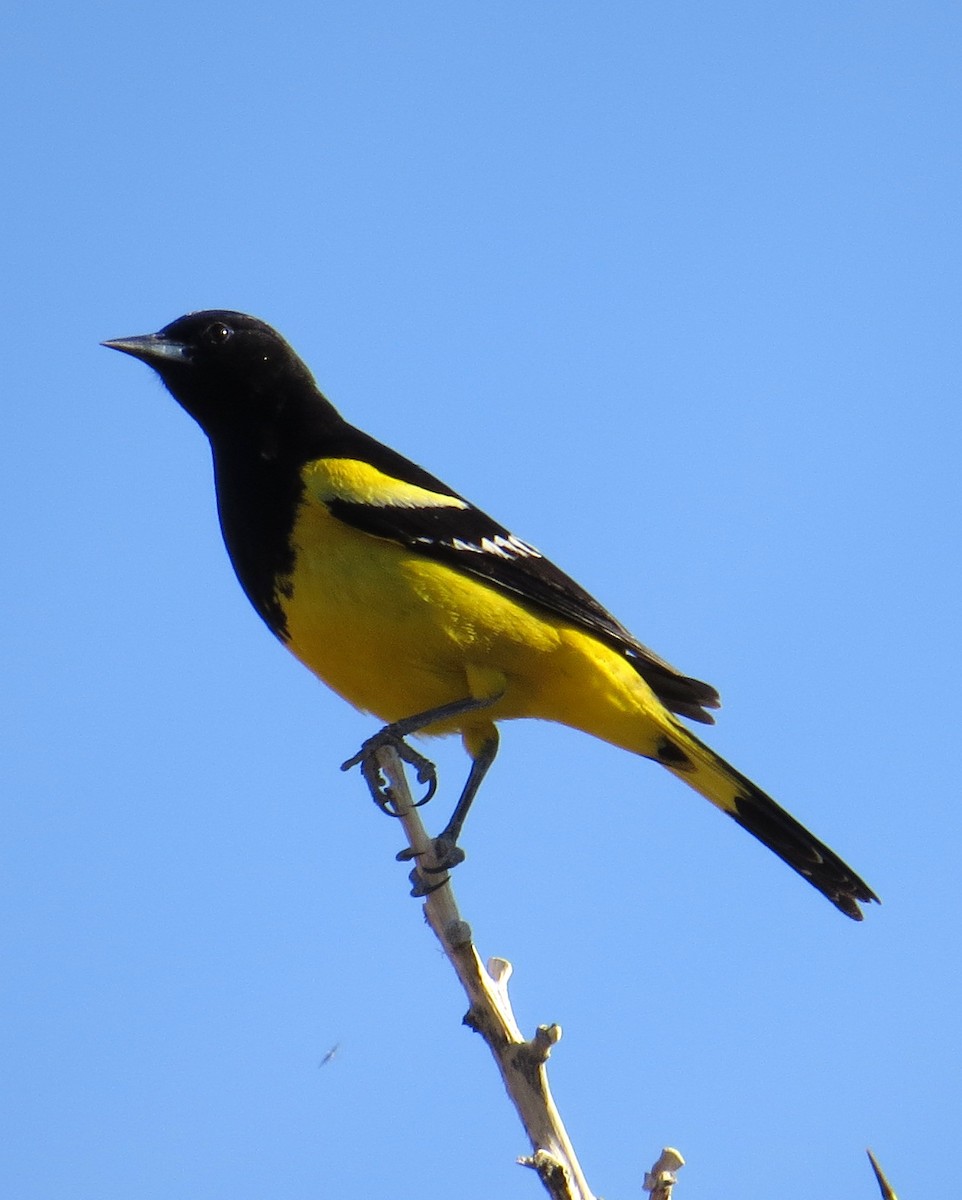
(747, 804)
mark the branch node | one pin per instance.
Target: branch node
(458, 933)
(551, 1170)
(472, 1018)
(661, 1178)
(539, 1048)
(500, 971)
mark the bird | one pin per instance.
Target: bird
(418, 608)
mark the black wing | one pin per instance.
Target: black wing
(470, 541)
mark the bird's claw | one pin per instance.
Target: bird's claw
(380, 789)
(447, 855)
(425, 880)
(420, 886)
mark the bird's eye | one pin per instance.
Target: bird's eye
(217, 334)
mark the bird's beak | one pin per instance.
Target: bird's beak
(152, 348)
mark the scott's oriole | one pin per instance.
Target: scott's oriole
(414, 605)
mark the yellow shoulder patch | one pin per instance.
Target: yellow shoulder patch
(357, 482)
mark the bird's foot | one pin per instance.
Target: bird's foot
(380, 789)
(424, 879)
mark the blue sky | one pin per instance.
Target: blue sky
(673, 291)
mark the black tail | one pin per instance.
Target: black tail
(701, 768)
(793, 843)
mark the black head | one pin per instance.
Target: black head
(233, 373)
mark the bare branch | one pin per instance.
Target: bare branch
(520, 1061)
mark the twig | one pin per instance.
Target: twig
(520, 1061)
(884, 1186)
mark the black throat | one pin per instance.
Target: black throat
(258, 465)
(257, 502)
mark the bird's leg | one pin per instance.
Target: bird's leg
(447, 852)
(394, 735)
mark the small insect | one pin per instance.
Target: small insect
(329, 1055)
